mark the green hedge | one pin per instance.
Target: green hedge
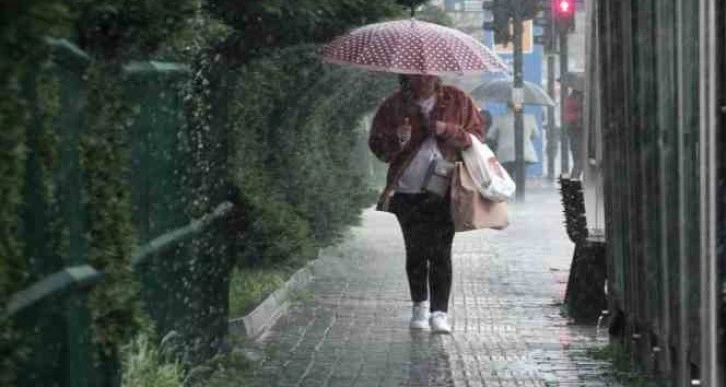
(37, 108)
(24, 65)
(268, 126)
(122, 30)
(115, 32)
(112, 32)
(293, 124)
(260, 25)
(111, 235)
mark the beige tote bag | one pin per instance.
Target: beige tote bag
(469, 209)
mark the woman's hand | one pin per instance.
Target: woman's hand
(439, 128)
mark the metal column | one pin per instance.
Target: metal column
(564, 145)
(517, 101)
(708, 175)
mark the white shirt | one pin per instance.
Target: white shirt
(427, 105)
(412, 179)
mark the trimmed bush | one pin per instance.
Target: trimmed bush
(28, 98)
(293, 124)
(267, 126)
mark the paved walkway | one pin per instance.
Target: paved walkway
(351, 330)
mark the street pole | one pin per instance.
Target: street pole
(517, 102)
(552, 131)
(564, 145)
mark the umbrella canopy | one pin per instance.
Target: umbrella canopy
(412, 47)
(500, 90)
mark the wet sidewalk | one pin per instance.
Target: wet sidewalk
(352, 327)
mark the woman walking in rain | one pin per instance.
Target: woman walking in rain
(422, 122)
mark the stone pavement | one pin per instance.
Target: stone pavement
(351, 329)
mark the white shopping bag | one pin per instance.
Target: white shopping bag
(492, 180)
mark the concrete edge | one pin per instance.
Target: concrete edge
(256, 323)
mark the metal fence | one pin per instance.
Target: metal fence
(53, 310)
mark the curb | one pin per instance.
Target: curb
(255, 323)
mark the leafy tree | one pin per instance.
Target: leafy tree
(266, 24)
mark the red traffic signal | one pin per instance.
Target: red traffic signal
(564, 8)
(564, 14)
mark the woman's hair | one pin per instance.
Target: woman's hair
(405, 87)
(408, 98)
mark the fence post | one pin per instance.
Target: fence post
(72, 63)
(160, 193)
(156, 185)
(59, 329)
(184, 288)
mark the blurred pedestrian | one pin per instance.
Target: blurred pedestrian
(486, 121)
(502, 131)
(573, 124)
(422, 122)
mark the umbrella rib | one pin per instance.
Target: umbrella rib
(397, 52)
(466, 42)
(422, 50)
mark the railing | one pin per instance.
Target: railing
(180, 283)
(169, 239)
(71, 279)
(76, 281)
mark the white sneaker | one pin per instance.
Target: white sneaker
(419, 318)
(438, 323)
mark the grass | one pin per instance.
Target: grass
(145, 366)
(145, 363)
(225, 370)
(621, 368)
(250, 286)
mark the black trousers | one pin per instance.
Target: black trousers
(575, 134)
(428, 232)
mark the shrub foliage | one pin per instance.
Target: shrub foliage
(293, 125)
(268, 126)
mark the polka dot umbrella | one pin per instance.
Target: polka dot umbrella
(412, 47)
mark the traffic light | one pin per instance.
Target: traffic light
(500, 15)
(543, 19)
(564, 11)
(529, 9)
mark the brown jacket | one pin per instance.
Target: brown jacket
(453, 106)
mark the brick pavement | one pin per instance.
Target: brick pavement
(351, 330)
